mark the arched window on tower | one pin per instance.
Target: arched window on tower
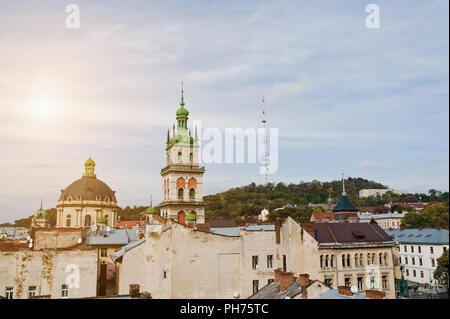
(192, 194)
(180, 194)
(68, 221)
(87, 220)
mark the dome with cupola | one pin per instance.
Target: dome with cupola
(88, 188)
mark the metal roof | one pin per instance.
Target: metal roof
(416, 236)
(388, 215)
(126, 248)
(236, 231)
(345, 205)
(334, 294)
(115, 237)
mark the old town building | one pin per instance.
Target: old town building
(182, 177)
(86, 200)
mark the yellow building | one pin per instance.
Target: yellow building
(86, 200)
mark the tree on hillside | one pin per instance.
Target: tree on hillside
(432, 216)
(441, 272)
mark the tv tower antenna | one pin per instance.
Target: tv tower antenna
(265, 155)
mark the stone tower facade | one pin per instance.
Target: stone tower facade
(182, 177)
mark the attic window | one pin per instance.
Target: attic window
(358, 234)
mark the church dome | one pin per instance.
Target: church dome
(89, 187)
(182, 112)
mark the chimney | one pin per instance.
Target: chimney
(401, 228)
(285, 278)
(134, 291)
(345, 291)
(420, 228)
(390, 228)
(277, 229)
(375, 294)
(438, 228)
(304, 282)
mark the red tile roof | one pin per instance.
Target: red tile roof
(323, 216)
(129, 223)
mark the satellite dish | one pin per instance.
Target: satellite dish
(354, 289)
(31, 240)
(108, 228)
(235, 294)
(28, 237)
(30, 245)
(79, 240)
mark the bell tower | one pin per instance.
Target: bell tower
(182, 177)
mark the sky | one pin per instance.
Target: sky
(367, 102)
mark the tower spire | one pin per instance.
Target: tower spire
(343, 185)
(182, 94)
(265, 156)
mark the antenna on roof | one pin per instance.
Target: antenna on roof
(265, 155)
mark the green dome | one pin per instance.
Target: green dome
(182, 112)
(191, 217)
(101, 220)
(150, 210)
(40, 213)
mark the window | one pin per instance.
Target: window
(332, 261)
(356, 260)
(414, 273)
(191, 157)
(255, 262)
(87, 220)
(164, 274)
(255, 286)
(192, 193)
(413, 260)
(372, 282)
(433, 263)
(270, 261)
(420, 262)
(406, 260)
(347, 281)
(64, 291)
(373, 259)
(68, 220)
(360, 283)
(400, 259)
(384, 282)
(31, 291)
(9, 292)
(329, 282)
(348, 261)
(404, 249)
(104, 252)
(431, 250)
(412, 249)
(385, 259)
(368, 259)
(420, 249)
(407, 272)
(361, 262)
(421, 274)
(380, 257)
(180, 193)
(326, 261)
(321, 261)
(343, 260)
(445, 249)
(179, 156)
(269, 281)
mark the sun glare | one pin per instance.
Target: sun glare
(43, 107)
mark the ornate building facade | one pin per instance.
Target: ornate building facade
(87, 201)
(182, 177)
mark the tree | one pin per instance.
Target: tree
(432, 216)
(441, 272)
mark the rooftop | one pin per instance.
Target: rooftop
(115, 237)
(420, 236)
(388, 215)
(345, 205)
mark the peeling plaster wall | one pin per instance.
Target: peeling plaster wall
(47, 271)
(197, 264)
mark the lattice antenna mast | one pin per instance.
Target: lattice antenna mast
(265, 156)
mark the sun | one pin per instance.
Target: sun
(43, 107)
